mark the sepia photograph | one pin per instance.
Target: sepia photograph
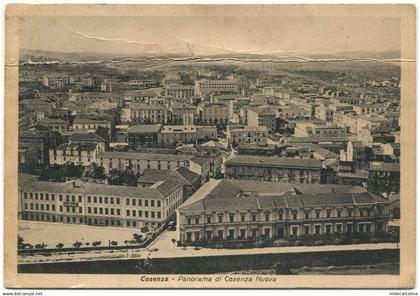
(210, 146)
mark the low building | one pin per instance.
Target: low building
(274, 169)
(247, 135)
(182, 111)
(95, 204)
(223, 211)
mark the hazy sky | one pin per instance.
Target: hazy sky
(209, 35)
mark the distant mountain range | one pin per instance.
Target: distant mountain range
(47, 57)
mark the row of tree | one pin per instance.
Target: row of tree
(137, 239)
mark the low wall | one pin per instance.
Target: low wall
(216, 264)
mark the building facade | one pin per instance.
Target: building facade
(94, 204)
(139, 162)
(274, 169)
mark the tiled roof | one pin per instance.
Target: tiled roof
(181, 175)
(209, 203)
(229, 194)
(166, 187)
(200, 160)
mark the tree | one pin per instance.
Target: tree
(138, 238)
(126, 177)
(96, 243)
(87, 244)
(114, 243)
(59, 246)
(77, 244)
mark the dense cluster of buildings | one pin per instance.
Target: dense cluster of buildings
(233, 155)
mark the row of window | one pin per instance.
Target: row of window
(294, 231)
(139, 202)
(91, 210)
(294, 216)
(92, 199)
(139, 213)
(81, 220)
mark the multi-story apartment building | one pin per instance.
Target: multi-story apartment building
(139, 162)
(262, 116)
(78, 153)
(213, 113)
(179, 91)
(274, 169)
(205, 86)
(247, 135)
(78, 202)
(148, 114)
(239, 211)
